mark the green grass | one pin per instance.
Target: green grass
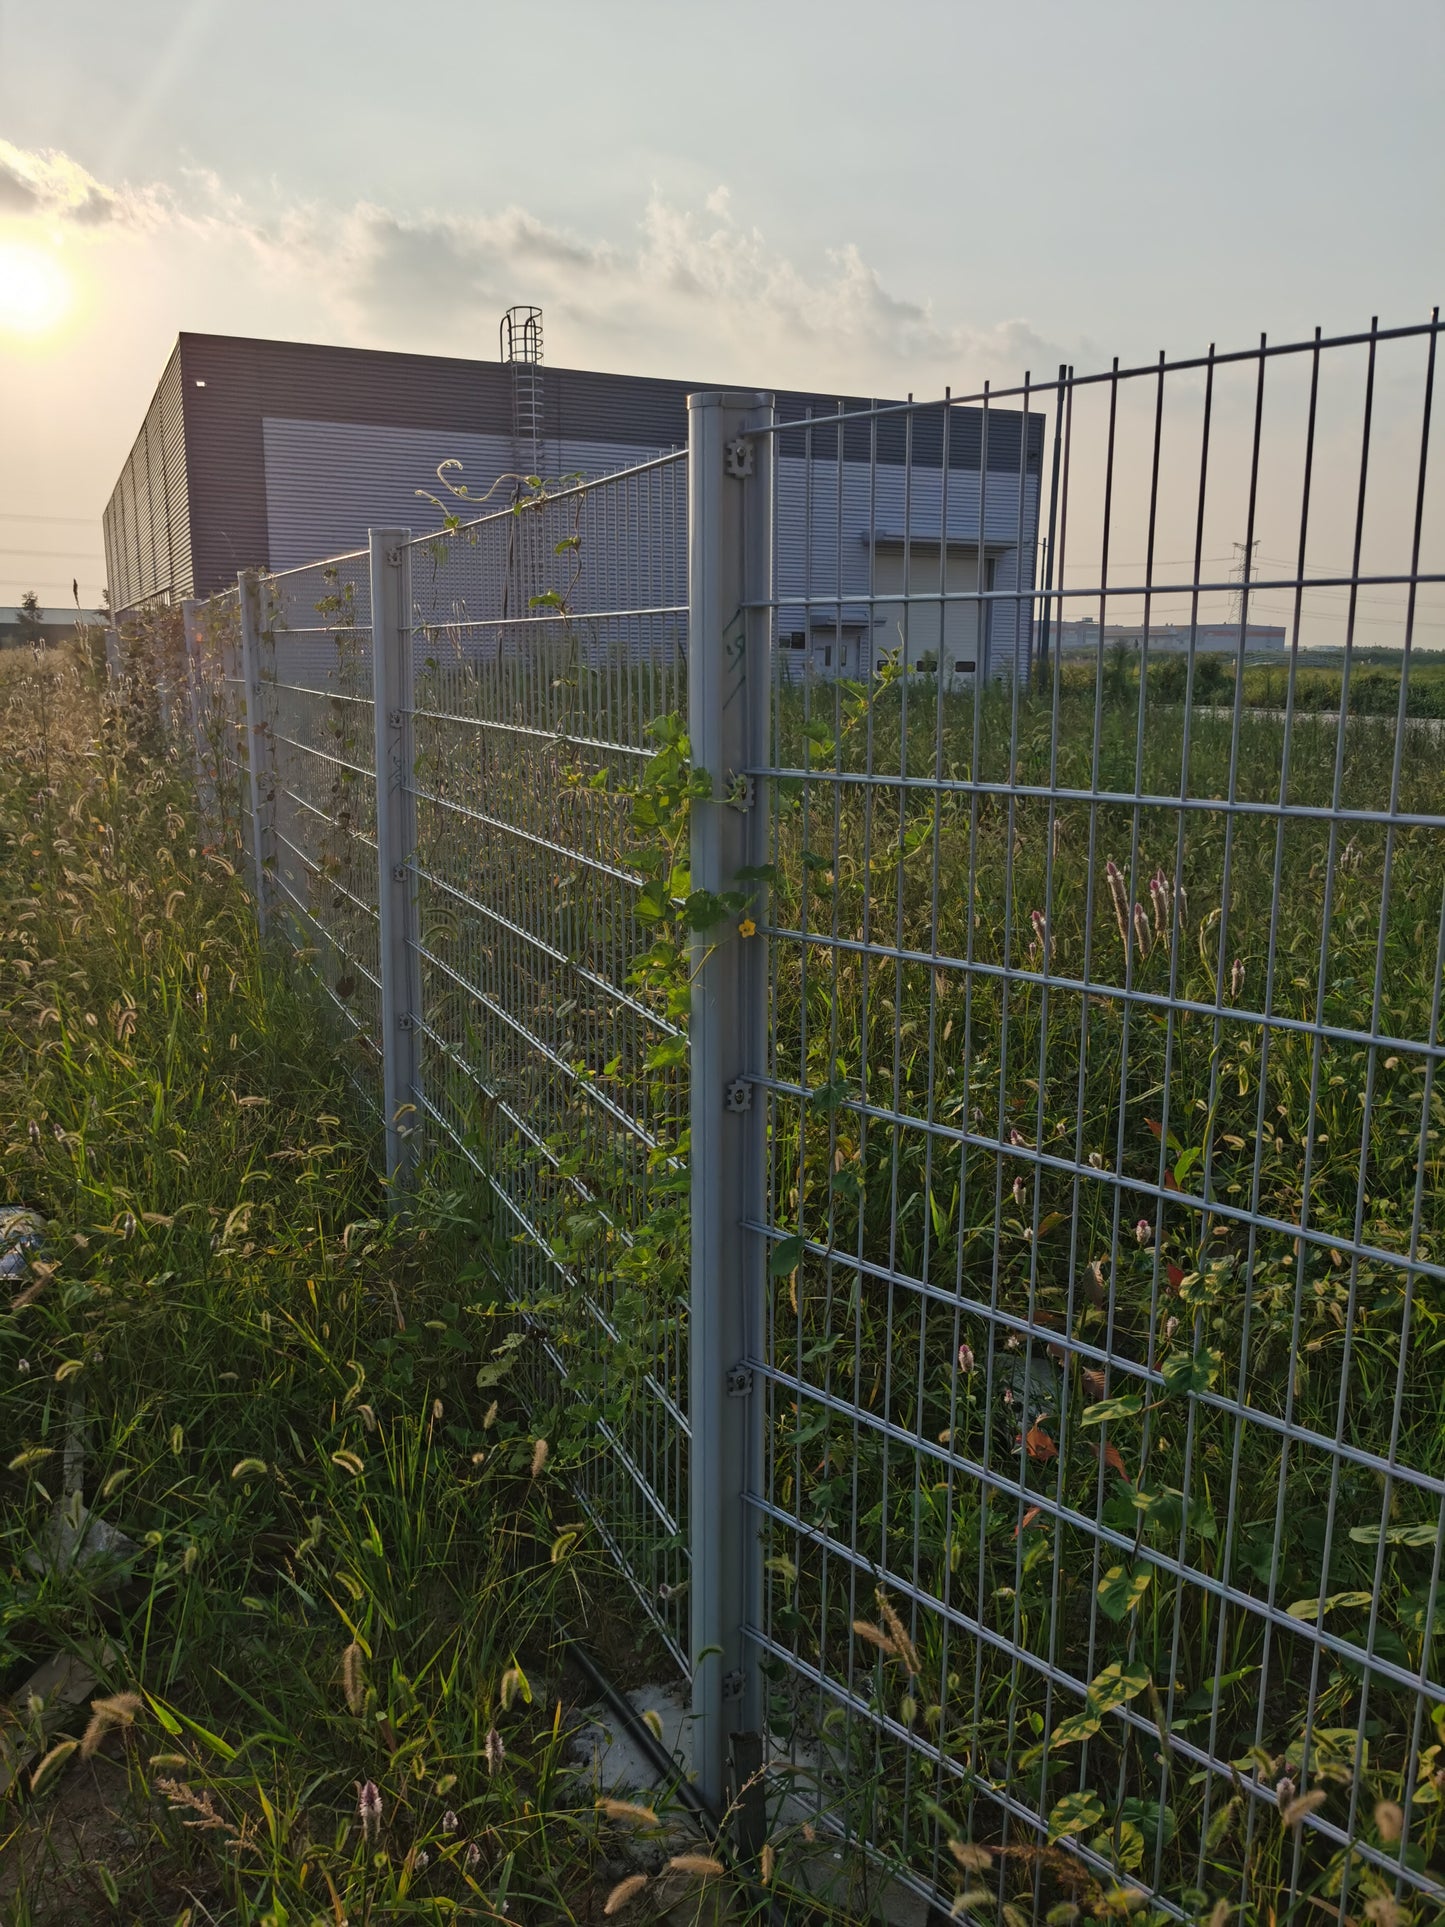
(1199, 1104)
(349, 1564)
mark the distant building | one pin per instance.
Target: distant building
(1169, 638)
(270, 453)
(53, 625)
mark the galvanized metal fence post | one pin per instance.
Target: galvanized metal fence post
(729, 644)
(395, 845)
(259, 762)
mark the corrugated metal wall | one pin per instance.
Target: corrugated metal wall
(263, 453)
(146, 523)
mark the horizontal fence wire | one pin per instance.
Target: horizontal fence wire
(548, 640)
(1104, 1493)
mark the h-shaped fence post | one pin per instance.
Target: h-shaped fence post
(730, 469)
(396, 849)
(260, 764)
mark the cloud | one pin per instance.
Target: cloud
(47, 182)
(694, 290)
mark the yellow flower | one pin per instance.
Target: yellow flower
(747, 928)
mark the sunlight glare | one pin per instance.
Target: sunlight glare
(35, 290)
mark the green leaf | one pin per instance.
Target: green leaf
(1118, 1684)
(1121, 1589)
(1183, 1374)
(1083, 1726)
(1125, 1406)
(1074, 1814)
(1422, 1535)
(1310, 1608)
(785, 1257)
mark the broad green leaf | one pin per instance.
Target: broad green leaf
(1131, 1846)
(1074, 1814)
(1082, 1726)
(1118, 1683)
(1125, 1406)
(1121, 1589)
(1422, 1535)
(1183, 1374)
(785, 1257)
(1310, 1608)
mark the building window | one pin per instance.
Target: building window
(793, 639)
(962, 667)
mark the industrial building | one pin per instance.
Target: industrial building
(269, 454)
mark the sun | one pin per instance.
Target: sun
(35, 290)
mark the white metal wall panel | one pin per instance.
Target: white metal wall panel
(328, 482)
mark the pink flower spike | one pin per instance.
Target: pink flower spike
(1144, 1232)
(965, 1357)
(368, 1806)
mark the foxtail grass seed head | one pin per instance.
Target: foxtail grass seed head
(368, 1807)
(52, 1762)
(119, 1709)
(493, 1752)
(702, 1864)
(539, 1457)
(767, 1861)
(436, 1411)
(624, 1891)
(490, 1420)
(972, 1859)
(628, 1810)
(1383, 1910)
(1220, 1913)
(450, 1822)
(1390, 1820)
(899, 1633)
(1299, 1810)
(874, 1636)
(353, 1682)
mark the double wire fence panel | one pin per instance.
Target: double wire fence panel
(1073, 1331)
(1105, 1442)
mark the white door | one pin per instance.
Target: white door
(927, 634)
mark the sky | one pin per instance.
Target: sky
(877, 199)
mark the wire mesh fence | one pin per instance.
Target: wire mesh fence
(547, 657)
(1046, 1457)
(1105, 1473)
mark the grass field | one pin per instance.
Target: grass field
(1012, 1248)
(953, 961)
(346, 1565)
